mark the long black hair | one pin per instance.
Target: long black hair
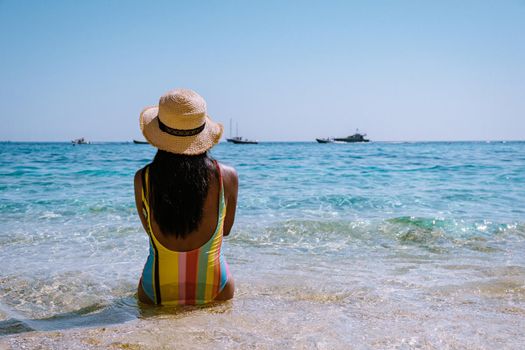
(179, 185)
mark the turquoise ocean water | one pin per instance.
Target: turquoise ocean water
(369, 241)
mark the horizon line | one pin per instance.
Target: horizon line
(282, 141)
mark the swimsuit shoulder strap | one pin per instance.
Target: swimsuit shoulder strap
(218, 172)
(222, 206)
(145, 196)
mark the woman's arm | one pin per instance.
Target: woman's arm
(138, 197)
(231, 188)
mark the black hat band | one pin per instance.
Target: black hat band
(180, 132)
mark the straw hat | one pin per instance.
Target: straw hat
(180, 124)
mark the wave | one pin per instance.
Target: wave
(324, 203)
(436, 235)
(118, 311)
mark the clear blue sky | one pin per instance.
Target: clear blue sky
(284, 70)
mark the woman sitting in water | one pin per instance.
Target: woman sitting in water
(186, 202)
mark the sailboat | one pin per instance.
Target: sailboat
(237, 139)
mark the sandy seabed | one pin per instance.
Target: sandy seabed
(301, 319)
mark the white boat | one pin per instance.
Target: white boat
(237, 139)
(80, 141)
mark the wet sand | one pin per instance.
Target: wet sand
(296, 317)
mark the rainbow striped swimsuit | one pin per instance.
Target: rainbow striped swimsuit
(186, 278)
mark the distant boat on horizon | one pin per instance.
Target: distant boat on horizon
(234, 138)
(357, 137)
(80, 141)
(327, 140)
(140, 142)
(240, 140)
(237, 139)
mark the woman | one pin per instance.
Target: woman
(186, 202)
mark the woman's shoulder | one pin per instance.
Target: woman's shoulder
(228, 172)
(138, 175)
(229, 177)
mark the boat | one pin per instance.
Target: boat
(80, 141)
(237, 139)
(140, 142)
(357, 137)
(327, 140)
(240, 140)
(233, 139)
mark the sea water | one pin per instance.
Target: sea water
(378, 245)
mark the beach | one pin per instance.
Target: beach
(386, 245)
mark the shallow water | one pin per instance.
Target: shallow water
(380, 245)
